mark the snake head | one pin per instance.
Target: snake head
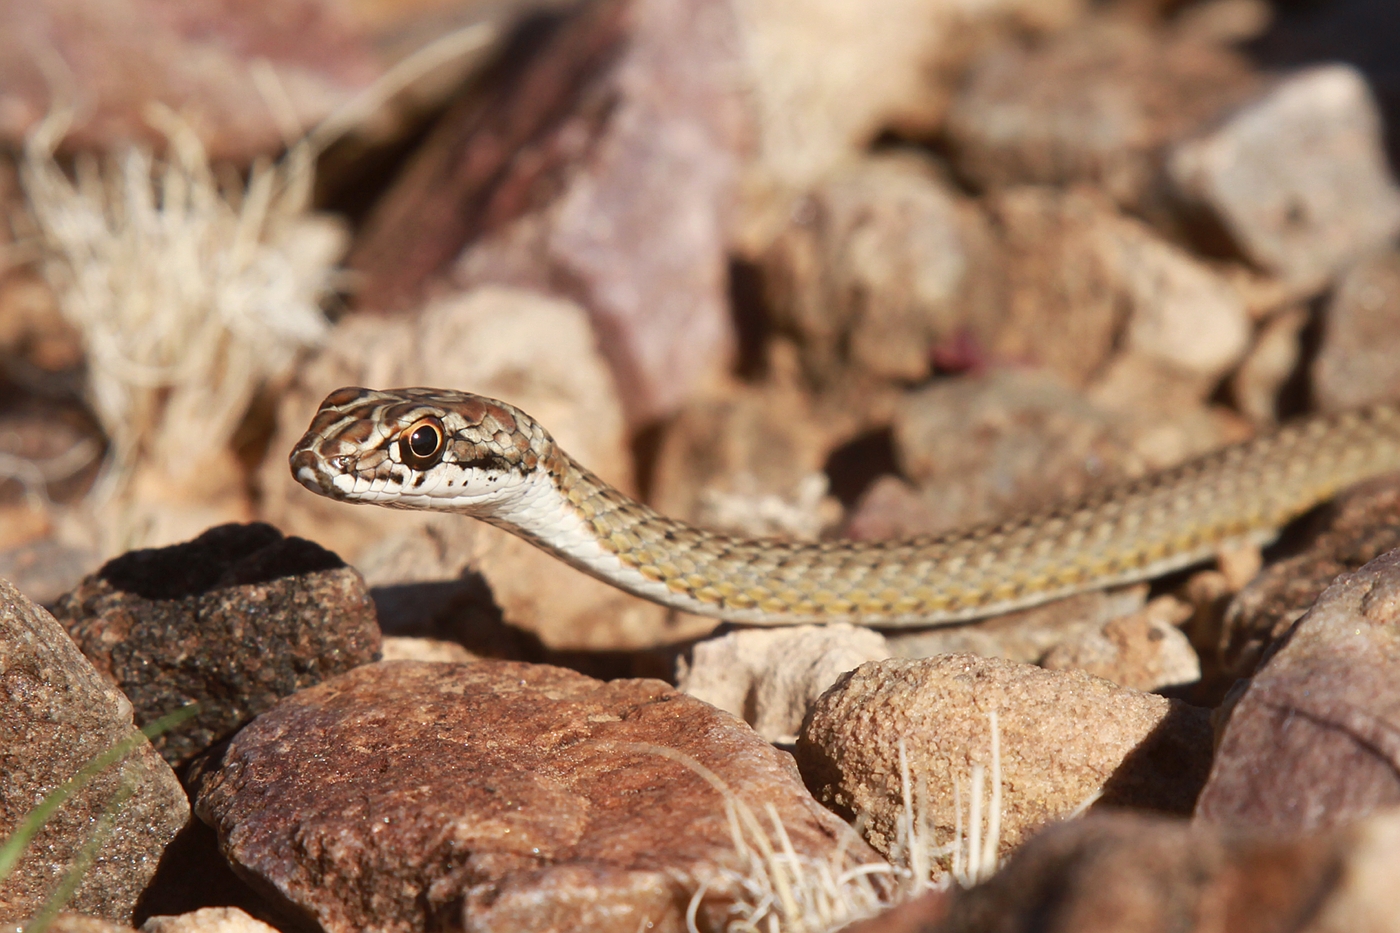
(418, 449)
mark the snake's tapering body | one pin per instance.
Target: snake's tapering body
(452, 451)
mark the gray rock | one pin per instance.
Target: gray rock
(57, 713)
(1297, 179)
(1359, 359)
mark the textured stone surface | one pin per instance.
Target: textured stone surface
(195, 58)
(1313, 742)
(56, 714)
(496, 795)
(234, 620)
(1066, 738)
(1357, 527)
(1095, 104)
(540, 354)
(207, 920)
(1149, 875)
(1298, 178)
(1359, 359)
(770, 677)
(870, 273)
(1144, 650)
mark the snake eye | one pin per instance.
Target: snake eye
(421, 445)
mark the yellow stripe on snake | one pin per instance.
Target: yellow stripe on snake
(453, 451)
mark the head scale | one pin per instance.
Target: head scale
(418, 448)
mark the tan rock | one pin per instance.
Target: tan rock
(538, 353)
(1145, 650)
(1269, 365)
(58, 715)
(1066, 739)
(770, 677)
(497, 795)
(1357, 362)
(1298, 178)
(1095, 104)
(207, 920)
(405, 648)
(1311, 743)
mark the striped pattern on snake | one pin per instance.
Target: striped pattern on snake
(420, 448)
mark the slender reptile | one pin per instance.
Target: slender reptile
(453, 451)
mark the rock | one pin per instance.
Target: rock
(198, 60)
(1025, 635)
(748, 460)
(984, 447)
(425, 649)
(1124, 872)
(1357, 527)
(1081, 285)
(535, 352)
(1096, 104)
(827, 77)
(46, 568)
(234, 620)
(770, 677)
(871, 270)
(81, 923)
(1357, 361)
(497, 795)
(1271, 363)
(58, 715)
(207, 920)
(1311, 743)
(917, 915)
(1067, 739)
(1145, 651)
(634, 129)
(1297, 179)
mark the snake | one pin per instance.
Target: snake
(451, 451)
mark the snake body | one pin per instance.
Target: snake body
(437, 449)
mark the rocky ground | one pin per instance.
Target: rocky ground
(814, 270)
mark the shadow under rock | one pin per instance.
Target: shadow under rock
(1168, 770)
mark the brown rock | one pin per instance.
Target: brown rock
(58, 715)
(1357, 527)
(234, 620)
(535, 352)
(871, 271)
(198, 59)
(82, 923)
(597, 162)
(1067, 738)
(1311, 744)
(1359, 359)
(497, 795)
(1145, 650)
(1271, 362)
(770, 677)
(1126, 872)
(1096, 104)
(1298, 178)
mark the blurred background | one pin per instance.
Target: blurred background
(822, 268)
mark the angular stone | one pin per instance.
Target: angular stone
(57, 714)
(1066, 738)
(1095, 104)
(535, 352)
(197, 59)
(1358, 361)
(1356, 527)
(497, 795)
(1121, 872)
(871, 272)
(235, 619)
(207, 920)
(1145, 650)
(1297, 179)
(1312, 743)
(770, 677)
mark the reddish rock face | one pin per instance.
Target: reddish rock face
(497, 795)
(1312, 744)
